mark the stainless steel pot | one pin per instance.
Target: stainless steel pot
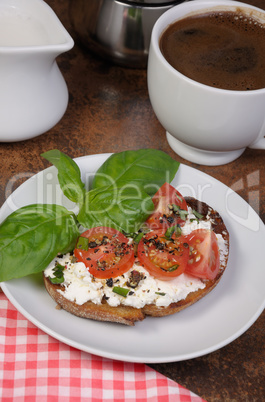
(118, 30)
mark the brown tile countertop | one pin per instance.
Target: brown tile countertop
(109, 111)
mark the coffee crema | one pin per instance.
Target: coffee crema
(221, 49)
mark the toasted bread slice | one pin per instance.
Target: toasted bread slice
(103, 312)
(129, 315)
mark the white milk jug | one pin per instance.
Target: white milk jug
(33, 92)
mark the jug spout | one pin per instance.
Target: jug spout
(31, 23)
(33, 92)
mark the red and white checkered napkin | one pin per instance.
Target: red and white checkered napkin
(36, 367)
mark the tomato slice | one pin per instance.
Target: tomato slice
(106, 254)
(170, 208)
(162, 257)
(204, 256)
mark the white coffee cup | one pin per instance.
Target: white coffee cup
(205, 125)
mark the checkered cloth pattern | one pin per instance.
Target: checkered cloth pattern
(36, 367)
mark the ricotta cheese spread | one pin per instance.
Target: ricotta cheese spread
(80, 286)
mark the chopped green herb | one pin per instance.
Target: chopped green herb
(160, 293)
(179, 197)
(121, 291)
(197, 214)
(82, 243)
(138, 237)
(181, 212)
(58, 274)
(173, 268)
(171, 230)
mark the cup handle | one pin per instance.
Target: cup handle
(260, 141)
(260, 144)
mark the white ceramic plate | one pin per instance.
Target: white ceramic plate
(213, 322)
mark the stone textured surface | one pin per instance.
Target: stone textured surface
(109, 111)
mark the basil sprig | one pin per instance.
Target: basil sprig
(122, 189)
(32, 236)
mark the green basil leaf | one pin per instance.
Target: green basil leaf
(124, 209)
(69, 175)
(32, 236)
(148, 168)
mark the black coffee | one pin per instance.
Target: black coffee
(221, 49)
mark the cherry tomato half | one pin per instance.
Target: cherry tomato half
(107, 253)
(204, 257)
(170, 208)
(162, 257)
